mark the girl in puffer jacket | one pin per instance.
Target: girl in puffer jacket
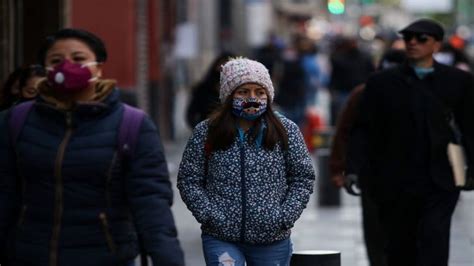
(246, 174)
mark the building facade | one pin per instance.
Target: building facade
(138, 35)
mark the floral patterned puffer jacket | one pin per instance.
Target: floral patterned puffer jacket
(250, 194)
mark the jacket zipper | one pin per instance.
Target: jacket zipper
(108, 236)
(243, 192)
(58, 197)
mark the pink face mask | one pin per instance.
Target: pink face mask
(68, 77)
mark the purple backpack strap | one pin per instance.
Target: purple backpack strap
(18, 117)
(129, 130)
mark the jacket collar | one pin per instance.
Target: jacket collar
(407, 69)
(259, 139)
(105, 97)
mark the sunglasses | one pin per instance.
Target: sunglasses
(419, 37)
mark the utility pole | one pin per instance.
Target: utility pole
(142, 69)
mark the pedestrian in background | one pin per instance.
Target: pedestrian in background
(30, 77)
(246, 174)
(205, 94)
(313, 75)
(399, 143)
(73, 198)
(452, 56)
(291, 96)
(269, 54)
(373, 233)
(21, 86)
(10, 92)
(350, 67)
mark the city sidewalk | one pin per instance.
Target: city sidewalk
(336, 228)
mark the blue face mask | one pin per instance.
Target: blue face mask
(249, 108)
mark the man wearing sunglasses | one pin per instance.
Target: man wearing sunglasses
(400, 144)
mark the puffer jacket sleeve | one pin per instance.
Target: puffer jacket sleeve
(8, 190)
(300, 176)
(191, 175)
(150, 197)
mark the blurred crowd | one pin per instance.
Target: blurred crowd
(303, 68)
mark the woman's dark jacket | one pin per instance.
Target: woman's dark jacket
(204, 100)
(72, 199)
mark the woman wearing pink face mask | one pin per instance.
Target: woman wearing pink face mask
(67, 196)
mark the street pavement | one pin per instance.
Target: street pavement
(321, 228)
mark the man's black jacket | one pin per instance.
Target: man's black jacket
(384, 138)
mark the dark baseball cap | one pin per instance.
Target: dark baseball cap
(426, 26)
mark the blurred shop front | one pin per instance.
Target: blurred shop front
(138, 35)
(24, 23)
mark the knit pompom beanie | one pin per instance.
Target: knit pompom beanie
(238, 71)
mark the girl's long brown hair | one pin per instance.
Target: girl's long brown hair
(222, 130)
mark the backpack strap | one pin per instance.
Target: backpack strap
(129, 130)
(18, 115)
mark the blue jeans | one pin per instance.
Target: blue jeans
(222, 253)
